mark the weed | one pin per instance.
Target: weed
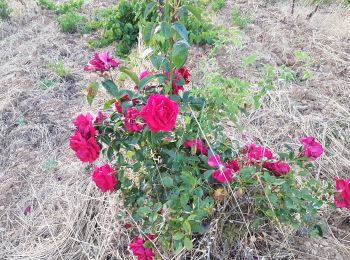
(70, 22)
(239, 19)
(5, 10)
(63, 8)
(60, 70)
(217, 5)
(249, 60)
(46, 84)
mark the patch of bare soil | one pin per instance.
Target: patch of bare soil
(49, 208)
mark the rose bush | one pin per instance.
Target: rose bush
(170, 170)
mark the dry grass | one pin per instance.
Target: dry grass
(69, 219)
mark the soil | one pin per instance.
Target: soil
(49, 208)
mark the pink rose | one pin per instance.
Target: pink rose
(223, 175)
(198, 143)
(84, 125)
(139, 250)
(342, 197)
(312, 148)
(104, 177)
(132, 123)
(254, 152)
(277, 168)
(101, 62)
(160, 113)
(225, 171)
(99, 118)
(86, 150)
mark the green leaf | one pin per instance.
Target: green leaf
(181, 30)
(148, 31)
(178, 236)
(195, 11)
(180, 53)
(165, 29)
(91, 92)
(131, 74)
(168, 181)
(149, 8)
(147, 244)
(156, 61)
(187, 227)
(110, 87)
(188, 243)
(108, 103)
(144, 81)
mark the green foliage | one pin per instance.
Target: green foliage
(70, 22)
(60, 70)
(63, 8)
(5, 10)
(168, 188)
(47, 84)
(239, 19)
(120, 25)
(217, 5)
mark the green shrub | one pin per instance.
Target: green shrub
(63, 8)
(120, 25)
(4, 10)
(70, 22)
(217, 5)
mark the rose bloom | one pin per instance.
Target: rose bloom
(254, 152)
(139, 250)
(99, 118)
(104, 177)
(84, 125)
(312, 148)
(131, 123)
(177, 74)
(160, 113)
(101, 62)
(198, 143)
(342, 196)
(225, 171)
(185, 73)
(86, 150)
(277, 168)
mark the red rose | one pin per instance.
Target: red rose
(177, 74)
(277, 168)
(160, 113)
(342, 197)
(223, 175)
(99, 118)
(84, 125)
(85, 149)
(131, 124)
(312, 148)
(101, 62)
(185, 73)
(104, 177)
(198, 143)
(118, 107)
(225, 172)
(139, 250)
(255, 153)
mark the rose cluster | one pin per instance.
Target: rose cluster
(155, 111)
